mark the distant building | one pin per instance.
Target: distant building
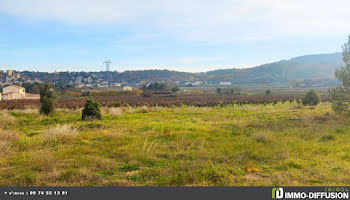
(127, 88)
(117, 84)
(13, 92)
(80, 85)
(225, 83)
(197, 83)
(16, 92)
(79, 79)
(103, 85)
(9, 72)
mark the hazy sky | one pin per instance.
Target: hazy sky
(185, 35)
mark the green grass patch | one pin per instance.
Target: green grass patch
(235, 145)
(129, 167)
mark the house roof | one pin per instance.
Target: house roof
(16, 86)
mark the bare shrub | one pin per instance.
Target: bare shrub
(262, 137)
(156, 108)
(7, 120)
(149, 146)
(8, 135)
(28, 111)
(64, 132)
(115, 111)
(144, 109)
(130, 109)
(186, 144)
(4, 147)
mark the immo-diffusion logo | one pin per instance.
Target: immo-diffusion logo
(279, 193)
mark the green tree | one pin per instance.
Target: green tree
(32, 87)
(175, 89)
(144, 88)
(312, 98)
(340, 95)
(218, 90)
(268, 92)
(91, 110)
(157, 86)
(48, 98)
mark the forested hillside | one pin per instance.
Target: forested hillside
(312, 67)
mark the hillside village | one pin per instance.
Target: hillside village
(304, 71)
(124, 81)
(84, 79)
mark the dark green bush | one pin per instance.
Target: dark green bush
(147, 94)
(157, 86)
(312, 98)
(91, 110)
(48, 98)
(175, 89)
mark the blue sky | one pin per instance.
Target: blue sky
(192, 35)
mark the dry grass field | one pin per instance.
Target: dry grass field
(284, 144)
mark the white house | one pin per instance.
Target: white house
(225, 83)
(197, 83)
(127, 88)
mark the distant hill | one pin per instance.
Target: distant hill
(305, 71)
(313, 67)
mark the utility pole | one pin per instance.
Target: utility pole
(107, 63)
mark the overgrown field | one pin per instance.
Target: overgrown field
(245, 145)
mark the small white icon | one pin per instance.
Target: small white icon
(279, 193)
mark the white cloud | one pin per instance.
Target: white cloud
(198, 20)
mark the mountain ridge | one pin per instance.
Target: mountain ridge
(313, 69)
